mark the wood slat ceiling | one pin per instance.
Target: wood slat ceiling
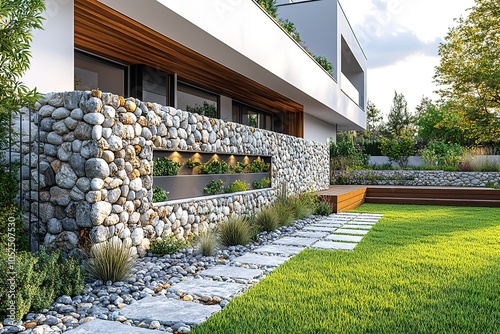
(105, 32)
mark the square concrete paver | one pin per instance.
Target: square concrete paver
(350, 231)
(203, 287)
(279, 249)
(295, 241)
(310, 234)
(168, 311)
(342, 237)
(98, 326)
(363, 222)
(263, 260)
(358, 226)
(328, 224)
(317, 228)
(232, 272)
(334, 245)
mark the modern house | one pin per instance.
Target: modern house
(226, 59)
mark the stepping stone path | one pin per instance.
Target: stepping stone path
(221, 282)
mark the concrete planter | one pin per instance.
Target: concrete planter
(191, 186)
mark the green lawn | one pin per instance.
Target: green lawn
(421, 269)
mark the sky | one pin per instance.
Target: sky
(400, 39)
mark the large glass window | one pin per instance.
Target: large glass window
(198, 101)
(96, 73)
(252, 117)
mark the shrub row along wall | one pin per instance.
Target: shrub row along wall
(416, 178)
(95, 168)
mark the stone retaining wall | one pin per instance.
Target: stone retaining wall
(416, 178)
(95, 168)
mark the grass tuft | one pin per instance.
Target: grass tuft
(267, 219)
(236, 231)
(207, 243)
(109, 261)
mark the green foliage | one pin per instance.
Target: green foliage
(236, 231)
(270, 7)
(267, 219)
(19, 19)
(398, 149)
(237, 186)
(441, 154)
(322, 209)
(238, 168)
(207, 243)
(165, 167)
(262, 183)
(213, 187)
(192, 164)
(40, 278)
(420, 269)
(327, 66)
(285, 212)
(302, 206)
(345, 154)
(168, 245)
(373, 123)
(159, 195)
(214, 167)
(469, 71)
(109, 261)
(492, 185)
(290, 28)
(8, 187)
(206, 109)
(10, 221)
(258, 166)
(400, 118)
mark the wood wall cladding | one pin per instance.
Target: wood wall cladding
(107, 33)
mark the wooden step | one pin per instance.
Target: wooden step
(434, 201)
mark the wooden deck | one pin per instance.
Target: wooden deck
(346, 197)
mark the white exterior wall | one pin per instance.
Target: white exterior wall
(52, 50)
(318, 130)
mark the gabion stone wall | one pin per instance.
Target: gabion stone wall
(417, 178)
(95, 169)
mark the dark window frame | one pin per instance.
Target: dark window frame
(180, 82)
(241, 106)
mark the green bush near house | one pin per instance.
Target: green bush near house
(39, 279)
(207, 243)
(109, 261)
(214, 167)
(322, 209)
(165, 167)
(258, 166)
(267, 219)
(399, 149)
(214, 187)
(442, 155)
(285, 213)
(238, 168)
(236, 231)
(262, 183)
(237, 186)
(168, 245)
(159, 195)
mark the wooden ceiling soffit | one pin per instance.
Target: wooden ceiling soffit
(105, 32)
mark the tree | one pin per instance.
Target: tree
(373, 119)
(399, 117)
(18, 18)
(469, 71)
(399, 149)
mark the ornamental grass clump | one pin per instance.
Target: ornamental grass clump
(236, 231)
(207, 243)
(109, 261)
(285, 213)
(267, 219)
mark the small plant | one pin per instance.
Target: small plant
(301, 208)
(258, 166)
(322, 209)
(207, 243)
(327, 66)
(165, 167)
(159, 195)
(109, 261)
(192, 164)
(442, 155)
(267, 219)
(214, 167)
(262, 183)
(214, 187)
(168, 245)
(398, 149)
(285, 213)
(236, 231)
(237, 186)
(238, 168)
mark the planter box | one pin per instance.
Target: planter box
(189, 186)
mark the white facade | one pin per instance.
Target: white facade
(240, 36)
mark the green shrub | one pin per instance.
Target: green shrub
(322, 209)
(238, 168)
(285, 212)
(262, 183)
(109, 261)
(345, 154)
(168, 245)
(442, 155)
(40, 278)
(207, 243)
(11, 218)
(301, 208)
(165, 167)
(236, 231)
(237, 186)
(267, 219)
(213, 187)
(398, 149)
(258, 166)
(192, 164)
(8, 187)
(159, 195)
(327, 66)
(214, 167)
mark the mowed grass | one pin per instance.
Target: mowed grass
(421, 269)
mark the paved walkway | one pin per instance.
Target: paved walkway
(341, 231)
